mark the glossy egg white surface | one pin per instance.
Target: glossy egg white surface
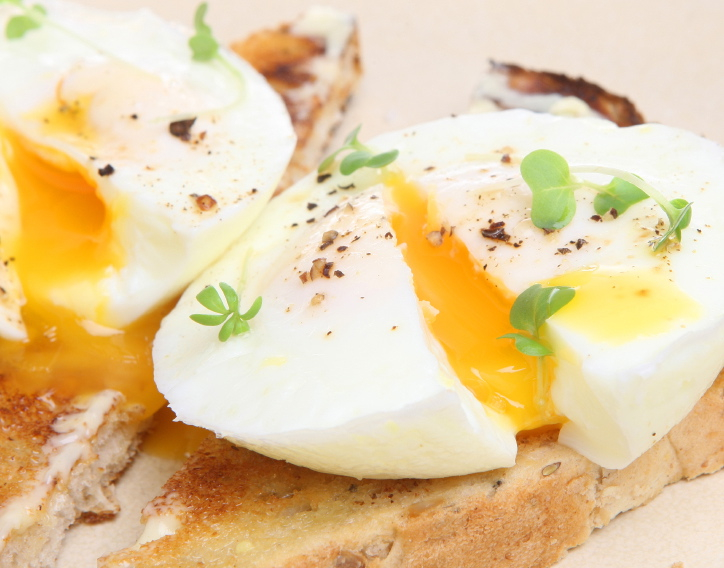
(341, 372)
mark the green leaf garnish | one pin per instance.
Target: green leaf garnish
(383, 159)
(679, 219)
(205, 49)
(536, 304)
(361, 156)
(227, 315)
(549, 179)
(552, 184)
(354, 161)
(528, 345)
(19, 25)
(210, 299)
(529, 312)
(209, 319)
(204, 46)
(618, 195)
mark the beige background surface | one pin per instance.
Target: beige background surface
(422, 60)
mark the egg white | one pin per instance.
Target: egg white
(354, 383)
(11, 295)
(138, 74)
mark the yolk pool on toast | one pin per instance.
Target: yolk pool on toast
(65, 236)
(105, 214)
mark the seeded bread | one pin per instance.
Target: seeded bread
(58, 460)
(232, 507)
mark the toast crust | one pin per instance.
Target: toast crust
(314, 64)
(255, 511)
(511, 86)
(58, 461)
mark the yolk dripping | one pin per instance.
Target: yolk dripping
(65, 237)
(473, 313)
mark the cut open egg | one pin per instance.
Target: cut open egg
(378, 352)
(126, 167)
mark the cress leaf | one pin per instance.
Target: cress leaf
(536, 304)
(522, 314)
(232, 299)
(676, 223)
(328, 161)
(360, 157)
(383, 159)
(253, 310)
(351, 140)
(544, 169)
(528, 345)
(18, 26)
(209, 319)
(548, 301)
(551, 300)
(227, 329)
(618, 195)
(553, 208)
(199, 24)
(354, 161)
(549, 179)
(203, 45)
(233, 322)
(240, 326)
(681, 221)
(210, 299)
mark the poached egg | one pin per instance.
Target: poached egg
(377, 350)
(126, 167)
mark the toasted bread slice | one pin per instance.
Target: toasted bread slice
(231, 507)
(511, 86)
(314, 64)
(58, 459)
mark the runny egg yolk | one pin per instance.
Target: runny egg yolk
(472, 313)
(65, 237)
(616, 308)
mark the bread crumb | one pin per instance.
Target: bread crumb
(677, 565)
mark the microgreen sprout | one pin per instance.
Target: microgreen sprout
(530, 311)
(227, 316)
(361, 156)
(205, 48)
(31, 18)
(552, 183)
(35, 16)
